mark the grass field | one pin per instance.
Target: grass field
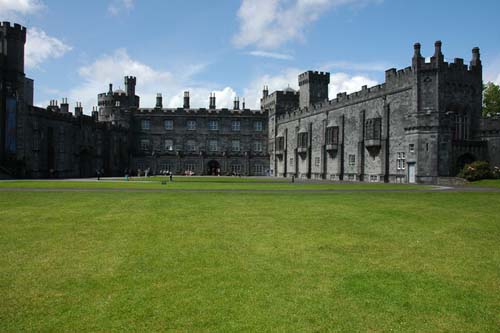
(290, 262)
(209, 183)
(487, 183)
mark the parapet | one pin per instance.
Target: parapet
(316, 76)
(15, 31)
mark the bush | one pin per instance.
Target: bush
(476, 171)
(496, 172)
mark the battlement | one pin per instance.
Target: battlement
(15, 31)
(316, 76)
(223, 112)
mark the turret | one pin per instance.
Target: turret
(417, 56)
(313, 88)
(14, 40)
(476, 58)
(438, 58)
(186, 100)
(130, 82)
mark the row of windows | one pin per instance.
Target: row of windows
(190, 166)
(213, 125)
(400, 161)
(213, 145)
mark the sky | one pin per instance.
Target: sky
(74, 49)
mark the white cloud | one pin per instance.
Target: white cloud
(113, 67)
(118, 6)
(41, 47)
(269, 24)
(274, 55)
(339, 82)
(342, 82)
(13, 9)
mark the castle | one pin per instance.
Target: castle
(422, 124)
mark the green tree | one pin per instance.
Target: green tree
(491, 99)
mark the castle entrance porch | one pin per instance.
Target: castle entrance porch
(213, 168)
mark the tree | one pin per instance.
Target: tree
(491, 99)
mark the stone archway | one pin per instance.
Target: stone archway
(213, 168)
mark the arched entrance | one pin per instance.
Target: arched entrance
(464, 159)
(213, 168)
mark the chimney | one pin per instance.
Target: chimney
(159, 101)
(64, 105)
(186, 100)
(265, 92)
(236, 103)
(243, 106)
(110, 89)
(212, 104)
(78, 109)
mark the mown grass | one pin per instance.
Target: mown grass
(207, 183)
(288, 262)
(495, 183)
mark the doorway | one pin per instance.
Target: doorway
(213, 168)
(411, 173)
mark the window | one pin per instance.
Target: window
(460, 127)
(212, 145)
(258, 169)
(168, 124)
(191, 145)
(373, 129)
(351, 178)
(235, 145)
(280, 143)
(145, 124)
(352, 160)
(302, 140)
(236, 169)
(412, 147)
(291, 162)
(213, 125)
(257, 126)
(332, 135)
(373, 178)
(36, 142)
(190, 167)
(401, 161)
(235, 126)
(169, 145)
(317, 161)
(191, 125)
(144, 144)
(257, 146)
(165, 166)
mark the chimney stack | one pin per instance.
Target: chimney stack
(159, 101)
(78, 109)
(186, 100)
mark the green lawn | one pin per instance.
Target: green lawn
(487, 183)
(209, 183)
(221, 262)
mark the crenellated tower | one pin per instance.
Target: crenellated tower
(13, 86)
(313, 88)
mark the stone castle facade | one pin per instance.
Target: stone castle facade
(423, 123)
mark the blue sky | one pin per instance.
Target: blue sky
(75, 48)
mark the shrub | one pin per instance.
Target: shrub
(496, 172)
(476, 170)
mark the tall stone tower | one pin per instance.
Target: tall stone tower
(12, 85)
(313, 87)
